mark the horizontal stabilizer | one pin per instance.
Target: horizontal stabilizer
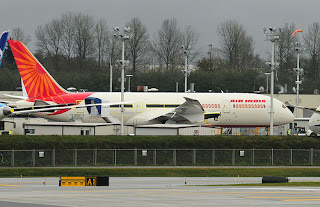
(16, 97)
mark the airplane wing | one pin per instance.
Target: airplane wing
(50, 108)
(314, 110)
(190, 111)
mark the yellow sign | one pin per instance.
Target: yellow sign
(91, 181)
(72, 181)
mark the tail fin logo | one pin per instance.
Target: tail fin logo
(37, 81)
(3, 42)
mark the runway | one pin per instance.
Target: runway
(155, 191)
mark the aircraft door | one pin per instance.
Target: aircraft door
(226, 106)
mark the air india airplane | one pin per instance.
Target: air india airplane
(214, 109)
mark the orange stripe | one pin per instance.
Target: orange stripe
(35, 80)
(45, 77)
(28, 80)
(25, 61)
(36, 88)
(41, 85)
(51, 86)
(31, 59)
(25, 71)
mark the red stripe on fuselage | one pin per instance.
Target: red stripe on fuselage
(63, 99)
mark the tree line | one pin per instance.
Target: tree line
(79, 51)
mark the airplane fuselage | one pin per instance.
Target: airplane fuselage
(236, 109)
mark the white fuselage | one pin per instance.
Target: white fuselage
(314, 122)
(236, 109)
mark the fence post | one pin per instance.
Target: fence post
(311, 156)
(33, 157)
(233, 157)
(213, 156)
(54, 157)
(271, 156)
(135, 156)
(75, 157)
(194, 157)
(12, 158)
(174, 153)
(95, 156)
(253, 156)
(291, 157)
(155, 157)
(115, 156)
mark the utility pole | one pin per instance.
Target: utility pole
(110, 75)
(186, 72)
(272, 35)
(210, 53)
(298, 70)
(123, 36)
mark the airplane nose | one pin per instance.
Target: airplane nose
(288, 116)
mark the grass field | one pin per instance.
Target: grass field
(160, 172)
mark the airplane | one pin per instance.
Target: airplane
(314, 121)
(210, 109)
(4, 109)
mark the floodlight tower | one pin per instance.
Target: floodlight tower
(123, 36)
(299, 72)
(272, 35)
(185, 51)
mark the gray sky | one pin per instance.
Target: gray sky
(203, 15)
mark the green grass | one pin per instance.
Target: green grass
(160, 172)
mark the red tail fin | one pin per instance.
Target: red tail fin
(36, 79)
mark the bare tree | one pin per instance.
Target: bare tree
(167, 44)
(237, 47)
(138, 44)
(84, 35)
(113, 49)
(190, 39)
(286, 47)
(18, 34)
(67, 37)
(101, 32)
(42, 41)
(311, 41)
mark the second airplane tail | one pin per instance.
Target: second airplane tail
(3, 42)
(36, 80)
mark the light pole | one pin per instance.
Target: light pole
(129, 76)
(123, 36)
(299, 72)
(267, 81)
(272, 35)
(186, 72)
(110, 75)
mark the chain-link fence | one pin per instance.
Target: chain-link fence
(159, 157)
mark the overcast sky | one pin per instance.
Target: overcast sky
(203, 15)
